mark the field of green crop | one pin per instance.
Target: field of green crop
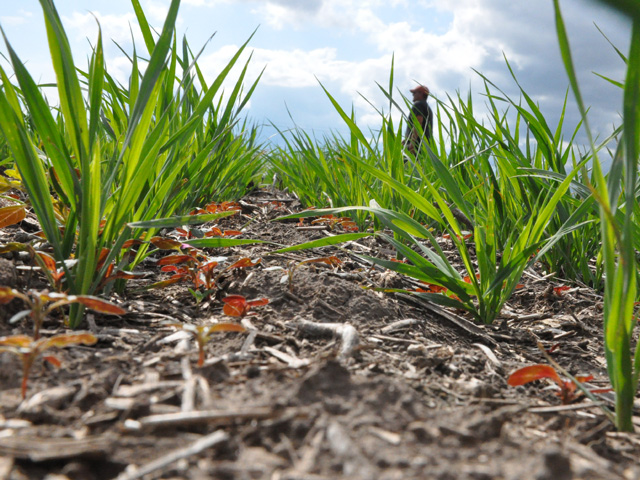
(115, 163)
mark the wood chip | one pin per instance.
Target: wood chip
(120, 403)
(389, 437)
(195, 448)
(563, 408)
(38, 449)
(50, 397)
(204, 416)
(489, 353)
(400, 325)
(6, 465)
(13, 424)
(290, 360)
(135, 390)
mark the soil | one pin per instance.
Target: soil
(331, 380)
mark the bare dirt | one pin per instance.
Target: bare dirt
(331, 380)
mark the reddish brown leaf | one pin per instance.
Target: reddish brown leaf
(53, 360)
(467, 279)
(48, 261)
(530, 373)
(244, 263)
(99, 305)
(131, 243)
(102, 256)
(71, 339)
(234, 310)
(7, 294)
(235, 305)
(208, 267)
(174, 259)
(601, 390)
(437, 289)
(559, 290)
(166, 243)
(258, 302)
(109, 271)
(16, 341)
(232, 233)
(11, 215)
(404, 260)
(226, 206)
(226, 327)
(46, 296)
(169, 268)
(127, 275)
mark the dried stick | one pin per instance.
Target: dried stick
(219, 436)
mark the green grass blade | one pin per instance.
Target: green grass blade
(324, 242)
(178, 221)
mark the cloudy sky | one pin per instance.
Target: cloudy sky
(348, 46)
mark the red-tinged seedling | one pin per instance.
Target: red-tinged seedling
(433, 288)
(222, 207)
(11, 215)
(216, 232)
(198, 211)
(244, 262)
(467, 278)
(331, 221)
(51, 270)
(132, 243)
(29, 349)
(568, 390)
(560, 290)
(182, 233)
(111, 274)
(42, 303)
(204, 333)
(166, 243)
(238, 306)
(183, 267)
(191, 266)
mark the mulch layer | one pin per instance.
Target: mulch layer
(331, 380)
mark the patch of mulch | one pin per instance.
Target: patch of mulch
(331, 380)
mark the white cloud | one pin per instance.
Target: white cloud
(119, 28)
(22, 18)
(436, 43)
